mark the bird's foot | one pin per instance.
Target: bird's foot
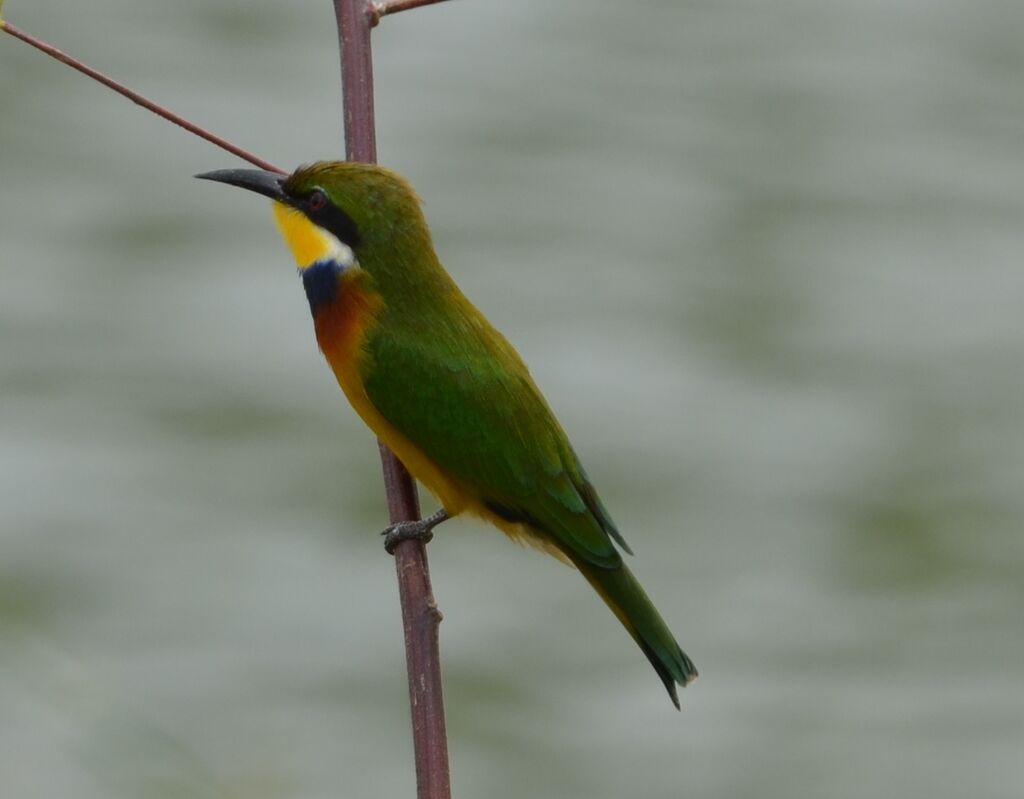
(406, 531)
(422, 530)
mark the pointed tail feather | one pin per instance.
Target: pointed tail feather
(623, 594)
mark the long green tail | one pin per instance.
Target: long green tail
(623, 594)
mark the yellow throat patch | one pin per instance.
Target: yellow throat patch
(309, 243)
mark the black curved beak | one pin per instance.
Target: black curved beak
(266, 183)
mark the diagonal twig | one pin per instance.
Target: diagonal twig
(378, 10)
(135, 97)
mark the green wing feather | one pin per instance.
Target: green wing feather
(459, 391)
(469, 404)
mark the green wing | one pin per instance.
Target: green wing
(461, 393)
(454, 387)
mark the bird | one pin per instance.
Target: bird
(441, 387)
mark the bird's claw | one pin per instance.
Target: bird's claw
(406, 531)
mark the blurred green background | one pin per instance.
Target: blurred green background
(765, 260)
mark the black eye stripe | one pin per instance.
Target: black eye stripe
(340, 224)
(320, 210)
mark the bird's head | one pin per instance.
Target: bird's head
(344, 213)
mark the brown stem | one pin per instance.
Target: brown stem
(420, 616)
(378, 10)
(137, 98)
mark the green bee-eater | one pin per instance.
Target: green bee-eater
(441, 387)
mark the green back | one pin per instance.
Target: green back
(452, 384)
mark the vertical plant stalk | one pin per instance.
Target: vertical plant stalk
(420, 616)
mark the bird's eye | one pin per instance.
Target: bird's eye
(317, 200)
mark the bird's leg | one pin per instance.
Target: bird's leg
(423, 530)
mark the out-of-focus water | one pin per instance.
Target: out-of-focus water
(764, 258)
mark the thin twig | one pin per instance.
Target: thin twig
(378, 10)
(137, 98)
(420, 616)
